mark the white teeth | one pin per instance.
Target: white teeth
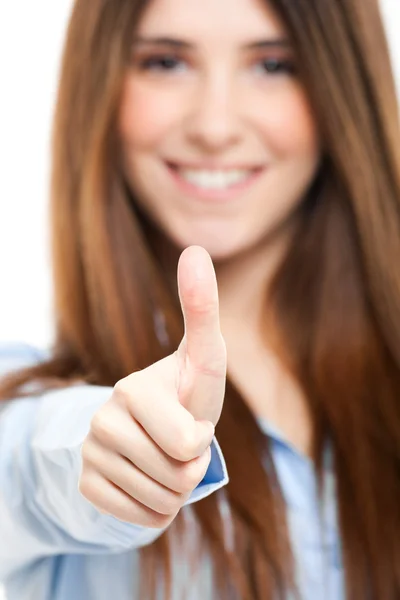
(214, 180)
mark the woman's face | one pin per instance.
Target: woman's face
(218, 139)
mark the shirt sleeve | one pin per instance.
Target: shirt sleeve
(42, 512)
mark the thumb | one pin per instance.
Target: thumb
(202, 353)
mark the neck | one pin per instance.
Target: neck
(244, 281)
(254, 365)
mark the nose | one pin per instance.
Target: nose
(213, 124)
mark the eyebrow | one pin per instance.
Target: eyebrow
(182, 44)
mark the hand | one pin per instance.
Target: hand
(149, 446)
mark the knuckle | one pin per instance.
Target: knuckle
(127, 390)
(200, 302)
(86, 487)
(120, 507)
(126, 514)
(101, 427)
(122, 389)
(158, 521)
(216, 363)
(186, 445)
(87, 453)
(190, 477)
(170, 504)
(214, 367)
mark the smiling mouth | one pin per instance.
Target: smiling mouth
(215, 180)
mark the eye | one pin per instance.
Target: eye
(276, 66)
(163, 62)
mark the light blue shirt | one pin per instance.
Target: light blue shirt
(54, 545)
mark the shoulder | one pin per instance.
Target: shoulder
(16, 355)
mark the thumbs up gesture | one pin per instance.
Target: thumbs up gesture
(149, 446)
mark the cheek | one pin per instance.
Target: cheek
(146, 115)
(291, 130)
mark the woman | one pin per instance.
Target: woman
(265, 135)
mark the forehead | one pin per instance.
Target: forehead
(239, 20)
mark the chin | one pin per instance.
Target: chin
(220, 247)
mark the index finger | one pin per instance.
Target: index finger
(203, 344)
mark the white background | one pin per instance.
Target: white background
(31, 34)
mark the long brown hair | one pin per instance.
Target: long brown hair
(335, 299)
